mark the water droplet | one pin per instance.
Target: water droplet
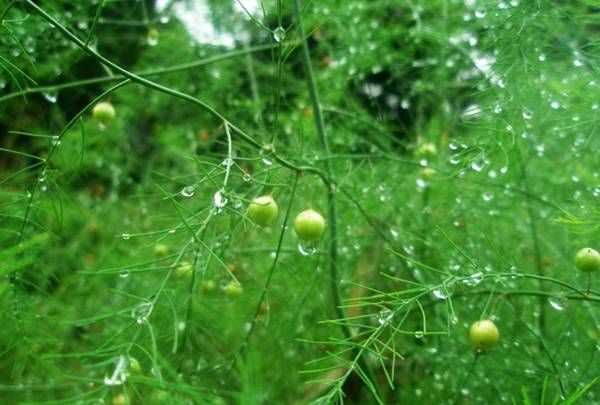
(279, 34)
(527, 114)
(487, 196)
(227, 162)
(141, 312)
(477, 166)
(372, 90)
(577, 63)
(556, 303)
(120, 374)
(125, 236)
(480, 13)
(307, 249)
(124, 273)
(474, 279)
(384, 316)
(188, 191)
(51, 96)
(246, 177)
(554, 104)
(219, 199)
(471, 111)
(439, 294)
(542, 57)
(419, 334)
(152, 37)
(540, 150)
(55, 140)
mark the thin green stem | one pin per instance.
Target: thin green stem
(320, 126)
(95, 22)
(535, 241)
(5, 11)
(146, 73)
(332, 214)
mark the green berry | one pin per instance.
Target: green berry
(207, 286)
(104, 112)
(427, 150)
(161, 250)
(184, 270)
(309, 225)
(587, 260)
(134, 366)
(263, 210)
(484, 335)
(233, 289)
(427, 173)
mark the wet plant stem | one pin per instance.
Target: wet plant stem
(332, 213)
(536, 245)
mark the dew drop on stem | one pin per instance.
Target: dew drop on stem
(141, 312)
(439, 294)
(219, 200)
(307, 248)
(279, 34)
(384, 316)
(120, 374)
(187, 191)
(51, 96)
(556, 303)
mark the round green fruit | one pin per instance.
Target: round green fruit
(587, 260)
(427, 173)
(263, 210)
(184, 270)
(161, 250)
(119, 399)
(134, 366)
(309, 225)
(233, 289)
(484, 335)
(207, 286)
(427, 150)
(104, 112)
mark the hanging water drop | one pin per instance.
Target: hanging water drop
(141, 312)
(187, 191)
(307, 248)
(279, 34)
(556, 304)
(439, 294)
(384, 316)
(219, 199)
